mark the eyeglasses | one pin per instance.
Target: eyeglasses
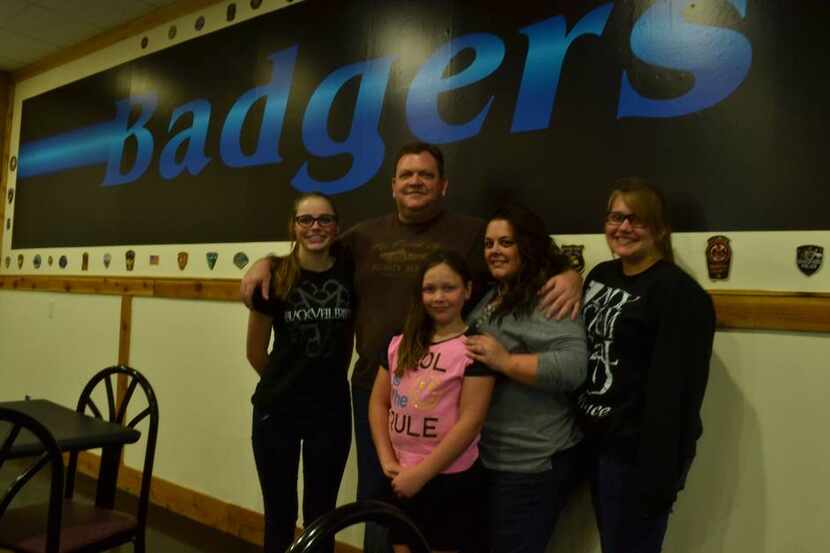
(616, 218)
(325, 220)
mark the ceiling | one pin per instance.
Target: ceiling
(30, 30)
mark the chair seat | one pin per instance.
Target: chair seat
(24, 529)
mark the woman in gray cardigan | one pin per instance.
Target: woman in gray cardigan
(527, 443)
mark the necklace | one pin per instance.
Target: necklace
(447, 335)
(488, 310)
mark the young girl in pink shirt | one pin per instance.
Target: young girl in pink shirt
(427, 407)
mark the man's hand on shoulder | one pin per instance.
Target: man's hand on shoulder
(561, 296)
(258, 276)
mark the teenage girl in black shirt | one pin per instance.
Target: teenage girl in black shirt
(303, 395)
(650, 328)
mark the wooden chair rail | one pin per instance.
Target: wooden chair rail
(736, 309)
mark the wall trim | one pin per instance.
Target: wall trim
(197, 506)
(736, 309)
(6, 110)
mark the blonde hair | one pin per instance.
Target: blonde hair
(649, 205)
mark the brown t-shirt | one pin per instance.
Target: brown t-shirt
(387, 254)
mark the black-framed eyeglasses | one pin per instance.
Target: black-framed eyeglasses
(616, 218)
(324, 220)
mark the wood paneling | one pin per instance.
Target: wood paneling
(747, 309)
(773, 311)
(80, 285)
(6, 105)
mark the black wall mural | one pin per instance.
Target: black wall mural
(722, 103)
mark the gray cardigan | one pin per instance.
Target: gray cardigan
(527, 424)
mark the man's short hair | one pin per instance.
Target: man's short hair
(416, 148)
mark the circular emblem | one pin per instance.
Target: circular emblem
(144, 42)
(200, 22)
(63, 262)
(255, 4)
(11, 194)
(230, 13)
(20, 261)
(240, 260)
(50, 261)
(171, 32)
(13, 163)
(107, 260)
(36, 261)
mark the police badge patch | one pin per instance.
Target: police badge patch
(809, 258)
(211, 259)
(574, 254)
(718, 257)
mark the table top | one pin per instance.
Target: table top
(71, 430)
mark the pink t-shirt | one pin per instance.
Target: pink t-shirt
(425, 401)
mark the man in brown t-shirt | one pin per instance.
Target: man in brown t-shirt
(387, 252)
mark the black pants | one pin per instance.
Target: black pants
(277, 441)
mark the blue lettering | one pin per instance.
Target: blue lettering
(364, 143)
(717, 58)
(143, 137)
(422, 102)
(194, 158)
(275, 93)
(547, 45)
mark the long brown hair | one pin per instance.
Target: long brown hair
(539, 256)
(647, 203)
(419, 327)
(287, 269)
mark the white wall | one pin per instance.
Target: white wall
(51, 344)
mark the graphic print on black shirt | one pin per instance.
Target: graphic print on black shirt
(306, 306)
(603, 307)
(313, 337)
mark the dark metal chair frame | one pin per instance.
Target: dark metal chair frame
(110, 462)
(51, 456)
(344, 516)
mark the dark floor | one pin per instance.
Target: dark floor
(166, 532)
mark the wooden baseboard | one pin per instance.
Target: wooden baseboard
(209, 511)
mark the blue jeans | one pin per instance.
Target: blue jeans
(371, 482)
(523, 507)
(277, 443)
(623, 525)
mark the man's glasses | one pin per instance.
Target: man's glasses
(325, 220)
(616, 218)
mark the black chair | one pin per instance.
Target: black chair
(84, 527)
(15, 529)
(324, 528)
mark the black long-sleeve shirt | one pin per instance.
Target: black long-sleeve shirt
(650, 341)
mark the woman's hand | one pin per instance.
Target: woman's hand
(390, 468)
(409, 481)
(488, 350)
